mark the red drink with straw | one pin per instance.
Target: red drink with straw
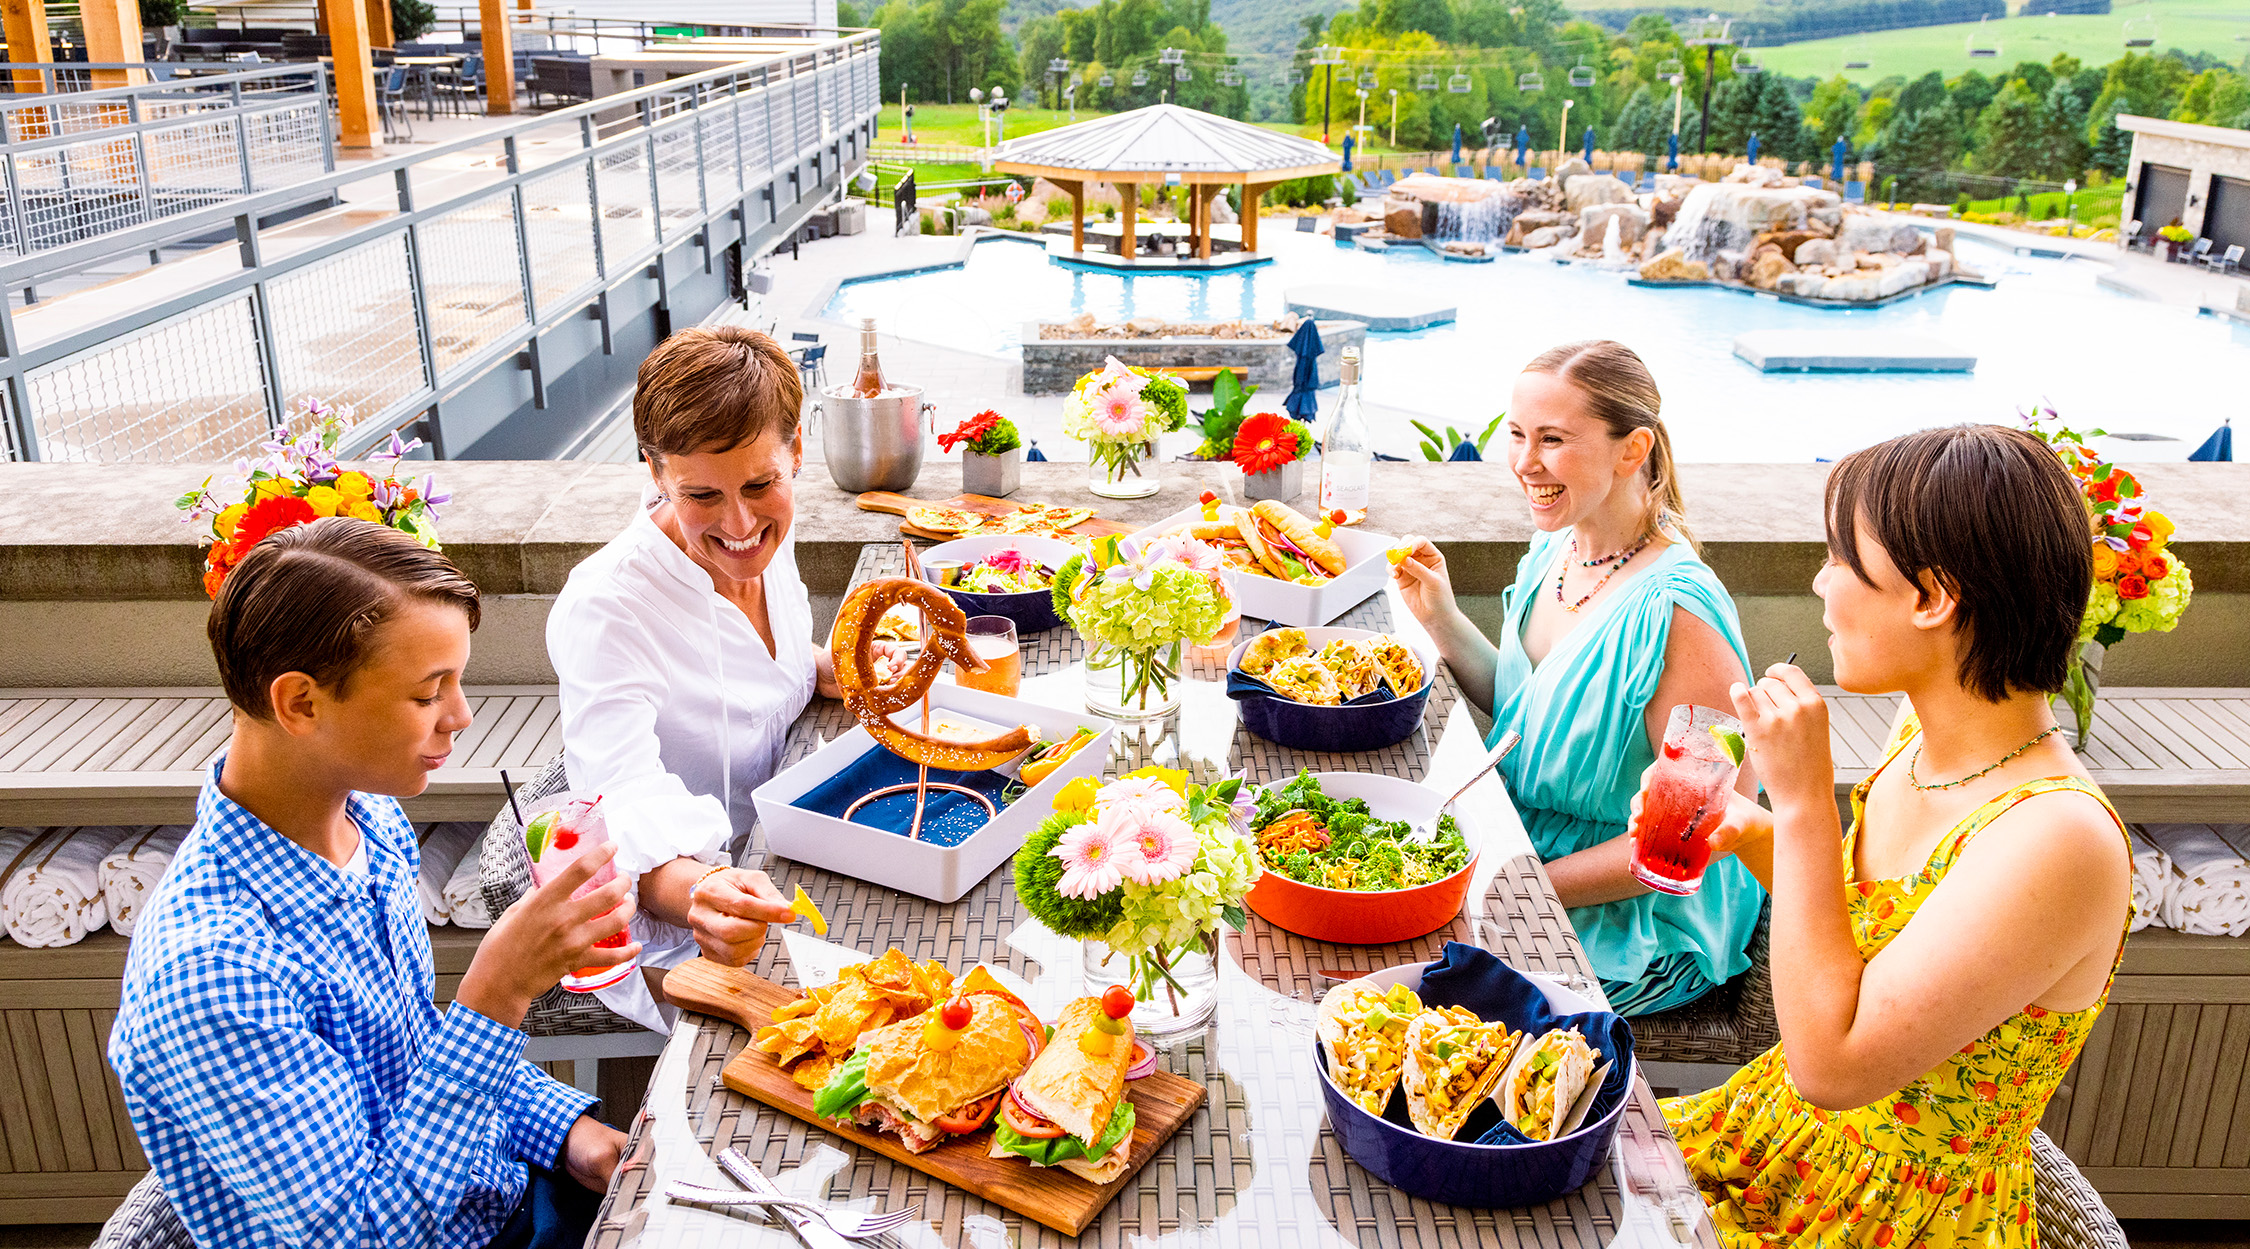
(1685, 799)
(555, 839)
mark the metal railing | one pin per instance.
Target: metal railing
(401, 317)
(82, 165)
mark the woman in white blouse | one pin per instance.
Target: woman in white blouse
(685, 649)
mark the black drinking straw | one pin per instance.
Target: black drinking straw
(508, 787)
(1792, 659)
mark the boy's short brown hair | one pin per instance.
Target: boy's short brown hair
(714, 390)
(310, 598)
(1991, 513)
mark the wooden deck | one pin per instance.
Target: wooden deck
(137, 756)
(2162, 755)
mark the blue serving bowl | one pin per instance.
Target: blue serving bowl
(1032, 610)
(1462, 1173)
(1302, 726)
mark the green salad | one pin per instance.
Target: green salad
(1332, 843)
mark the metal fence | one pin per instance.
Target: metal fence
(82, 165)
(399, 317)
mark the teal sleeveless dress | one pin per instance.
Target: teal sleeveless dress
(1580, 712)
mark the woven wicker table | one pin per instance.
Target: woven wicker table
(1258, 1166)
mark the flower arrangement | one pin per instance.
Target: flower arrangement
(300, 481)
(1119, 411)
(1148, 864)
(986, 433)
(2140, 585)
(1268, 441)
(1138, 608)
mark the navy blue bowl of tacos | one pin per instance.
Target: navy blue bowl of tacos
(1372, 722)
(1512, 1170)
(1032, 610)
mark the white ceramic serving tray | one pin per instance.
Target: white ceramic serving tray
(1266, 598)
(939, 873)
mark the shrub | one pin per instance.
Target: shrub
(160, 13)
(412, 19)
(1058, 207)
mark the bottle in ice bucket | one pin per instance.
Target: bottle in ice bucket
(555, 838)
(1686, 798)
(868, 383)
(1344, 454)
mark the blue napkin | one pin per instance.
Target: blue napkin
(1475, 978)
(947, 820)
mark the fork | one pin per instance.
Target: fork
(742, 1171)
(842, 1222)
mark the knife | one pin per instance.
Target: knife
(815, 1234)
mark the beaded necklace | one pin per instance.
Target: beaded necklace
(1616, 561)
(1916, 781)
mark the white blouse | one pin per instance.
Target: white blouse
(673, 711)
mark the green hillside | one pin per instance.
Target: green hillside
(2219, 27)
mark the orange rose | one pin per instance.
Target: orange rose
(212, 579)
(2105, 560)
(2155, 567)
(2128, 563)
(2132, 586)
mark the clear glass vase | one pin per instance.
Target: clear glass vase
(1175, 992)
(1122, 470)
(1133, 683)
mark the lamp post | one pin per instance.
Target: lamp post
(1672, 162)
(984, 119)
(1000, 113)
(1562, 135)
(1710, 35)
(2070, 216)
(1394, 117)
(1056, 68)
(905, 114)
(1328, 57)
(1362, 126)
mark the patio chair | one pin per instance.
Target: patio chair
(144, 1220)
(2194, 255)
(391, 102)
(2227, 261)
(2133, 237)
(2071, 1213)
(1306, 225)
(811, 366)
(1725, 1028)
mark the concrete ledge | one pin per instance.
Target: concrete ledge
(1051, 366)
(1383, 309)
(1848, 351)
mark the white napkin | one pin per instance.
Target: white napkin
(464, 890)
(129, 873)
(2152, 872)
(443, 847)
(2208, 892)
(53, 897)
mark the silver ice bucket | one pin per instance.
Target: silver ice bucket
(872, 444)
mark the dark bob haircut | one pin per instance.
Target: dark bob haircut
(1991, 514)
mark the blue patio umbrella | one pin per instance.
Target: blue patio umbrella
(1672, 158)
(1033, 455)
(2219, 447)
(1589, 145)
(1464, 451)
(1523, 143)
(1347, 153)
(1456, 143)
(1836, 161)
(1753, 147)
(1304, 384)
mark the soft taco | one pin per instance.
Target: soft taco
(1453, 1059)
(1401, 666)
(1304, 679)
(1363, 1030)
(1539, 1094)
(1271, 647)
(1354, 665)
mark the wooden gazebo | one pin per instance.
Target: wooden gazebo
(1165, 144)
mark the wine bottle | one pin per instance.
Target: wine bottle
(869, 382)
(1345, 458)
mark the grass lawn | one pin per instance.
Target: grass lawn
(2092, 206)
(957, 123)
(2220, 27)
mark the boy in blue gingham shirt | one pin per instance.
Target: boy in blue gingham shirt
(289, 1077)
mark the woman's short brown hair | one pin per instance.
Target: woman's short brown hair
(310, 598)
(714, 390)
(1991, 514)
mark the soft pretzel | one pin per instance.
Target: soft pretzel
(873, 703)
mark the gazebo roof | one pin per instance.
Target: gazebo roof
(1164, 139)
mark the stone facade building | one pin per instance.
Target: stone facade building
(2198, 174)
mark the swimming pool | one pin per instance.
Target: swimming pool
(2046, 331)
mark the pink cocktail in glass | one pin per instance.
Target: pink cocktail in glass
(1685, 799)
(555, 840)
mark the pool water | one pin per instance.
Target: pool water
(2046, 332)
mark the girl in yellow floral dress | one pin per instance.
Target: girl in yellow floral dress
(1935, 979)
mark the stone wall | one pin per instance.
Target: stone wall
(1053, 366)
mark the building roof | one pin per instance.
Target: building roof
(2224, 136)
(1151, 143)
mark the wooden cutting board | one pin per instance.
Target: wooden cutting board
(896, 505)
(1162, 1104)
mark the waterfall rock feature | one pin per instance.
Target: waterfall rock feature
(1672, 265)
(1587, 190)
(1729, 216)
(1628, 219)
(1453, 210)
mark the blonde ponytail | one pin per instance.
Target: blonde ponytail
(1623, 395)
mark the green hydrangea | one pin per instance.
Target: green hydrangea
(1171, 915)
(2160, 611)
(1179, 605)
(1038, 872)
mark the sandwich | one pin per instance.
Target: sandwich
(1271, 647)
(1288, 545)
(1304, 679)
(1068, 1109)
(1453, 1059)
(1540, 1091)
(1363, 1030)
(941, 1074)
(1352, 662)
(1401, 666)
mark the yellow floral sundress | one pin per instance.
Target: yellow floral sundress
(1945, 1160)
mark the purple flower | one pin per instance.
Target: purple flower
(385, 495)
(396, 449)
(427, 488)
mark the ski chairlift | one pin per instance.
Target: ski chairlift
(1858, 58)
(1746, 62)
(1533, 81)
(1582, 74)
(1229, 78)
(1459, 83)
(1670, 67)
(1427, 82)
(1181, 74)
(2140, 32)
(1078, 80)
(1367, 78)
(1982, 46)
(1171, 56)
(1140, 77)
(1107, 80)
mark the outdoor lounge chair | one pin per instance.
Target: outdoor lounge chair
(2196, 252)
(2137, 237)
(2227, 261)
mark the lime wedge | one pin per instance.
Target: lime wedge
(1730, 741)
(539, 832)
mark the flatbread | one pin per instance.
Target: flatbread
(1453, 1059)
(939, 519)
(1366, 1041)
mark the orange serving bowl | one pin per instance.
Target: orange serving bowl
(1356, 917)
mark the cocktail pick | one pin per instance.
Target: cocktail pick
(508, 787)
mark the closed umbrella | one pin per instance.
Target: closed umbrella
(1456, 143)
(1463, 451)
(2219, 447)
(1347, 153)
(1753, 147)
(1033, 455)
(1304, 384)
(1836, 156)
(1589, 145)
(1523, 144)
(1672, 157)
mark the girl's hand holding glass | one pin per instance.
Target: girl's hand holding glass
(1746, 826)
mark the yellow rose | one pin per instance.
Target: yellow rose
(2105, 560)
(275, 488)
(1078, 795)
(224, 525)
(324, 499)
(355, 485)
(1173, 777)
(2159, 530)
(364, 510)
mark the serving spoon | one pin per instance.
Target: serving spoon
(1428, 832)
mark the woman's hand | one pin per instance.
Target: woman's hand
(1746, 829)
(824, 667)
(1785, 724)
(591, 1151)
(546, 934)
(1423, 581)
(729, 910)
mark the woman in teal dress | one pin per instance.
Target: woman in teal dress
(1612, 622)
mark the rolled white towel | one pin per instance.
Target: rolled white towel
(2152, 872)
(129, 873)
(52, 893)
(2208, 892)
(464, 893)
(443, 846)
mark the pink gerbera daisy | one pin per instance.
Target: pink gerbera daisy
(1141, 791)
(1149, 846)
(1089, 857)
(1119, 412)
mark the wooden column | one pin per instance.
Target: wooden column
(1203, 195)
(113, 33)
(1252, 192)
(1129, 242)
(499, 58)
(26, 24)
(1077, 193)
(357, 122)
(379, 24)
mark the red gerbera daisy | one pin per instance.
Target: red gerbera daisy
(268, 515)
(1264, 443)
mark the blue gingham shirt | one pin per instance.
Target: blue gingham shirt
(291, 1081)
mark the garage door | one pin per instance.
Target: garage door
(2163, 195)
(2226, 220)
